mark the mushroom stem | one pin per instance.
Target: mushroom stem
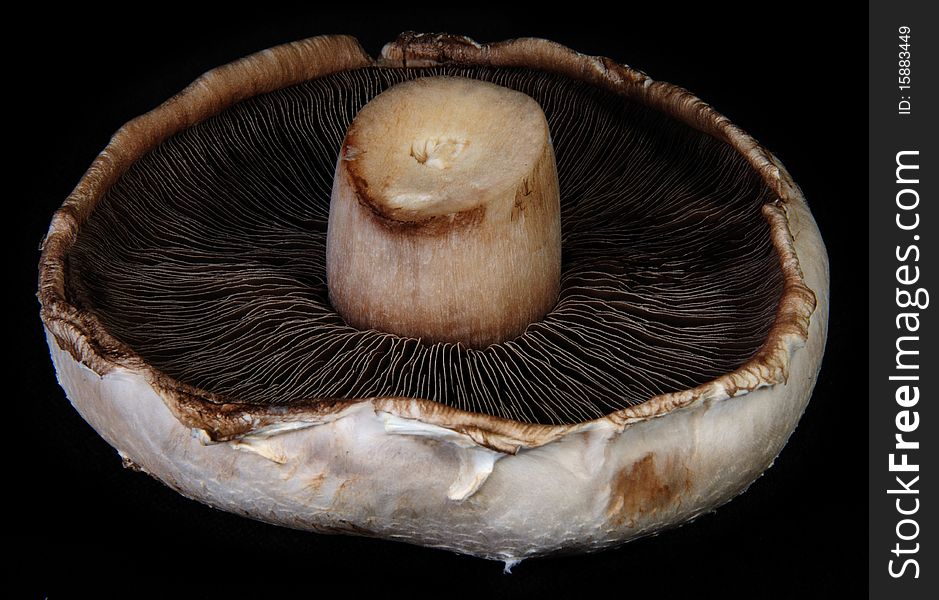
(444, 221)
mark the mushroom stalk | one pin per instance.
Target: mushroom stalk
(444, 220)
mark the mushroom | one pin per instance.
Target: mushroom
(186, 301)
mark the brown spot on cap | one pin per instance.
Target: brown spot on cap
(314, 483)
(643, 488)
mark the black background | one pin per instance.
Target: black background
(793, 80)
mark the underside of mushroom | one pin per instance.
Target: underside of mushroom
(587, 373)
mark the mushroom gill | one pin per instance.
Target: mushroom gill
(207, 258)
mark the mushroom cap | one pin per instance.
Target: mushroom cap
(475, 483)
